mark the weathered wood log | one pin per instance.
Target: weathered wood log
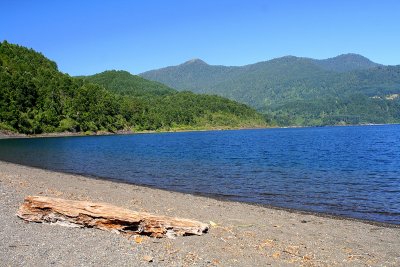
(106, 217)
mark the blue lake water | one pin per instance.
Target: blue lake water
(346, 171)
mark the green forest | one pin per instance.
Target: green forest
(35, 97)
(347, 89)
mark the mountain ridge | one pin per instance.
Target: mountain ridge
(276, 86)
(346, 56)
(347, 62)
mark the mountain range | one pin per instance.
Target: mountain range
(347, 89)
(35, 97)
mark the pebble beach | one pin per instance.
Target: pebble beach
(240, 234)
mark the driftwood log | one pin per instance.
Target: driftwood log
(106, 217)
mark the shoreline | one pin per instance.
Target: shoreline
(223, 198)
(241, 234)
(12, 135)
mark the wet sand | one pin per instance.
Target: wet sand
(244, 235)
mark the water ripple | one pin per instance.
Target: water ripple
(347, 171)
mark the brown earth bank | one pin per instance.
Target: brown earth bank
(240, 234)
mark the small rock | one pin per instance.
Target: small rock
(138, 239)
(148, 258)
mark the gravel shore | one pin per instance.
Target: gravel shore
(244, 235)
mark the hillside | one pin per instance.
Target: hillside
(160, 107)
(124, 83)
(37, 98)
(348, 89)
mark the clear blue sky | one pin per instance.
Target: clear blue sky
(86, 37)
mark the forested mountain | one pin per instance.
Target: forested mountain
(124, 83)
(194, 75)
(348, 89)
(35, 97)
(346, 62)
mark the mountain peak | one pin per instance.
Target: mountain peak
(196, 61)
(346, 62)
(351, 56)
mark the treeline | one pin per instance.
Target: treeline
(186, 110)
(152, 105)
(350, 110)
(36, 98)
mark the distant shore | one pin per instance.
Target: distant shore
(9, 134)
(240, 234)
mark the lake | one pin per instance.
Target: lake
(345, 171)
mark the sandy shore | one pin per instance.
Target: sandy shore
(245, 235)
